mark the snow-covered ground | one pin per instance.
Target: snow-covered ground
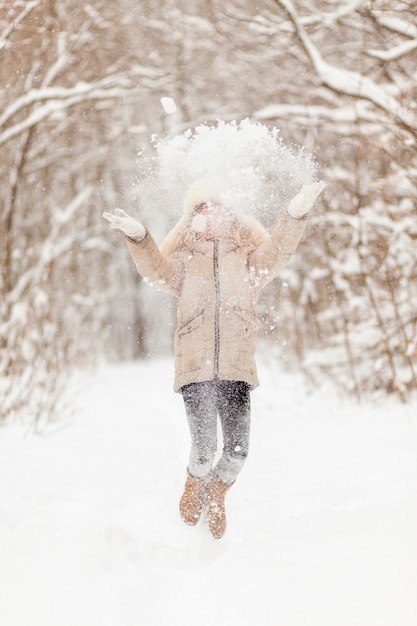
(322, 523)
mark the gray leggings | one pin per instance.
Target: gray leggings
(230, 400)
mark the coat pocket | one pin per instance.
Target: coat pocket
(192, 323)
(248, 321)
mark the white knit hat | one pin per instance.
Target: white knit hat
(209, 188)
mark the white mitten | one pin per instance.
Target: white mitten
(303, 201)
(128, 225)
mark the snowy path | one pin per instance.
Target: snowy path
(322, 524)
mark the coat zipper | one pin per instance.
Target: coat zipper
(216, 307)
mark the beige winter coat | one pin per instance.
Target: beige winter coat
(218, 285)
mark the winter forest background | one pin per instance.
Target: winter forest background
(80, 103)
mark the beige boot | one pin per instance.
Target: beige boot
(192, 499)
(216, 513)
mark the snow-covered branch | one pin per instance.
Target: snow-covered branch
(57, 243)
(403, 28)
(393, 54)
(25, 12)
(55, 100)
(62, 61)
(81, 89)
(319, 114)
(347, 82)
(397, 25)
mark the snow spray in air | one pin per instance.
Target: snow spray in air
(259, 173)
